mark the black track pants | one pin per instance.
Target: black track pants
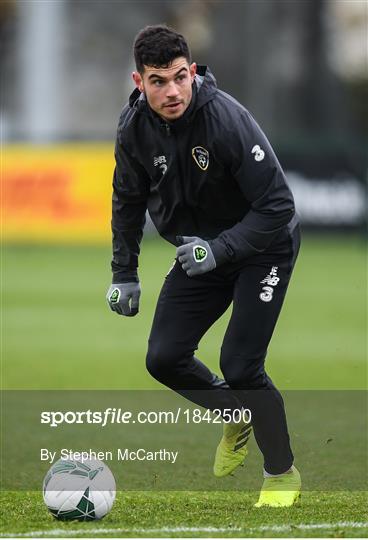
(187, 308)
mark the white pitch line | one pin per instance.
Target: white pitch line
(274, 528)
(89, 532)
(309, 526)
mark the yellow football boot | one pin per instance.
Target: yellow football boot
(232, 450)
(281, 491)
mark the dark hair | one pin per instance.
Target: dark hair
(158, 46)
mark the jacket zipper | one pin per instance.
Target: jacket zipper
(175, 159)
(183, 201)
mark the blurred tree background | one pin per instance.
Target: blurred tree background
(299, 66)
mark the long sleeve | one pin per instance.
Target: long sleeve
(261, 179)
(129, 203)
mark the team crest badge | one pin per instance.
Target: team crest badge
(115, 296)
(199, 253)
(201, 157)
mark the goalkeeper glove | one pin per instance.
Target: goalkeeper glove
(123, 298)
(195, 255)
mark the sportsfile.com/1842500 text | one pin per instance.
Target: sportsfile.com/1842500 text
(113, 415)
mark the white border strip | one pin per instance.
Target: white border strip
(274, 528)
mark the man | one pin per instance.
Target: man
(212, 184)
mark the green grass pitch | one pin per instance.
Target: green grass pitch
(58, 333)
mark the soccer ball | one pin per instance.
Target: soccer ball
(79, 490)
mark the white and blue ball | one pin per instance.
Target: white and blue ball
(76, 490)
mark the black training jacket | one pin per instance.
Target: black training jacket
(212, 173)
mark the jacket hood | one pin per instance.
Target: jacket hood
(206, 88)
(206, 85)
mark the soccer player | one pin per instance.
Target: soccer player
(198, 161)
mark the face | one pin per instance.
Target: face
(168, 90)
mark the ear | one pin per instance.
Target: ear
(193, 70)
(137, 78)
